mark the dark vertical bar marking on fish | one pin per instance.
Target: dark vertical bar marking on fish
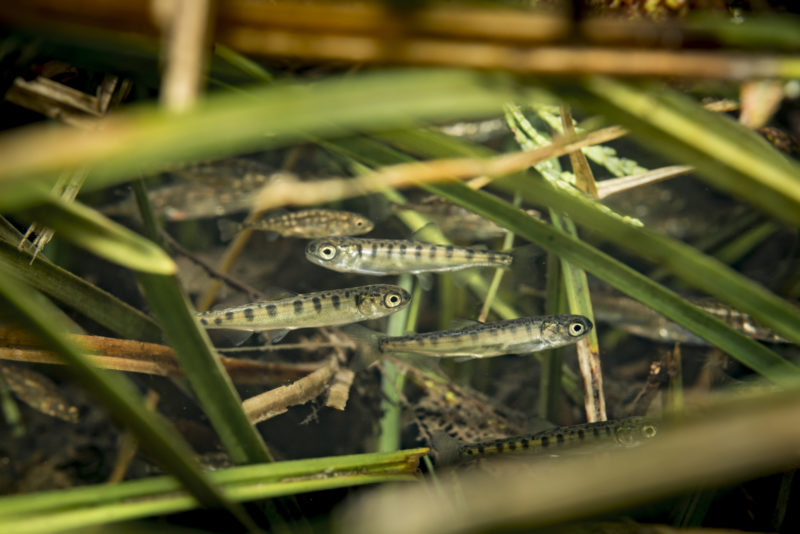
(359, 249)
(403, 250)
(317, 304)
(448, 251)
(249, 314)
(229, 315)
(418, 252)
(375, 250)
(298, 306)
(272, 310)
(469, 254)
(336, 301)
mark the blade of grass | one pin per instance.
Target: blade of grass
(92, 505)
(553, 361)
(117, 394)
(88, 229)
(80, 295)
(725, 153)
(148, 139)
(393, 379)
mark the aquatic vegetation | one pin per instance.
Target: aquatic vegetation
(441, 103)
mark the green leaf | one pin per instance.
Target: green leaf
(75, 292)
(90, 230)
(148, 139)
(725, 153)
(93, 505)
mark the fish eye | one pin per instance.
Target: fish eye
(392, 300)
(649, 431)
(576, 329)
(359, 222)
(327, 252)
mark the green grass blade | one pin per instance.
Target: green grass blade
(117, 394)
(208, 378)
(88, 229)
(393, 379)
(725, 153)
(75, 292)
(148, 139)
(92, 505)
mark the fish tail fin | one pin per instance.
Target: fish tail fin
(228, 229)
(526, 258)
(445, 448)
(367, 343)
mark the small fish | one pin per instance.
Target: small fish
(481, 340)
(322, 308)
(303, 224)
(212, 189)
(634, 317)
(621, 433)
(399, 256)
(38, 392)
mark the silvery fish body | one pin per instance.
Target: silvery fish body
(523, 335)
(322, 308)
(621, 433)
(305, 224)
(399, 256)
(212, 189)
(634, 317)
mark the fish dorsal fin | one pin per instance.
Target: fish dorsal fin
(278, 293)
(425, 281)
(460, 322)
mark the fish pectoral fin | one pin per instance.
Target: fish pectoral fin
(277, 293)
(229, 336)
(367, 349)
(425, 281)
(274, 336)
(461, 322)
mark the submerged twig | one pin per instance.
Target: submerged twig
(277, 401)
(148, 358)
(296, 193)
(613, 186)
